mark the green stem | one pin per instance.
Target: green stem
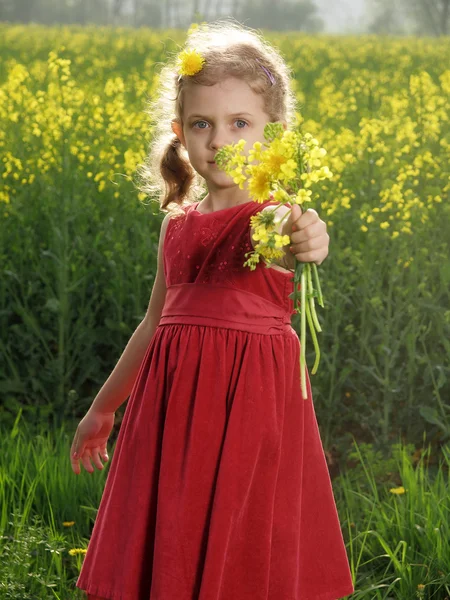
(317, 284)
(311, 298)
(297, 280)
(303, 337)
(314, 338)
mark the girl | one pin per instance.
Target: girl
(219, 487)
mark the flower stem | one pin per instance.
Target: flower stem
(311, 298)
(317, 284)
(314, 338)
(303, 336)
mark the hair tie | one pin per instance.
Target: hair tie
(267, 72)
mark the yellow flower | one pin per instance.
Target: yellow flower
(281, 196)
(303, 196)
(190, 62)
(278, 158)
(68, 523)
(287, 171)
(261, 234)
(238, 177)
(259, 184)
(398, 490)
(281, 240)
(315, 156)
(252, 261)
(270, 253)
(255, 152)
(74, 551)
(324, 173)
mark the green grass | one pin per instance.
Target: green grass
(395, 542)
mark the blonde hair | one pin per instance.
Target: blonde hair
(229, 50)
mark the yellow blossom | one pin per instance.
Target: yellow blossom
(303, 196)
(238, 177)
(261, 234)
(281, 196)
(288, 170)
(190, 62)
(397, 490)
(255, 152)
(74, 551)
(281, 240)
(259, 183)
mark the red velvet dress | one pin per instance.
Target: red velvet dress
(218, 488)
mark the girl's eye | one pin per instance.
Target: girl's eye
(236, 120)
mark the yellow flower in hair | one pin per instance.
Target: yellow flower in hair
(190, 62)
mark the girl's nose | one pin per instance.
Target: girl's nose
(218, 139)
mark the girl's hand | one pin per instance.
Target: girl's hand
(90, 440)
(309, 237)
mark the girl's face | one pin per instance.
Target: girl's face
(214, 116)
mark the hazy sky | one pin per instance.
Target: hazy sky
(342, 15)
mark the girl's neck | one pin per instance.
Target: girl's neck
(213, 203)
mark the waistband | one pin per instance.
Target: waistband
(223, 306)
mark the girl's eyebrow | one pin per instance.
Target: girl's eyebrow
(210, 118)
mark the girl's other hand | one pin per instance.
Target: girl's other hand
(89, 442)
(309, 237)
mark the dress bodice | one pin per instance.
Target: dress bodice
(210, 248)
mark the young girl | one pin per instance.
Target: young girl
(219, 487)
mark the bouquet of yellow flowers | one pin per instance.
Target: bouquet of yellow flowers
(285, 167)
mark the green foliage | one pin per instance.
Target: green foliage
(78, 262)
(30, 561)
(398, 544)
(394, 506)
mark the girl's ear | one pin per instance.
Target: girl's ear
(178, 131)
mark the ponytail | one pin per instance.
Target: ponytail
(177, 173)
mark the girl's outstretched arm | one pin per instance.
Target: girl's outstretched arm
(119, 384)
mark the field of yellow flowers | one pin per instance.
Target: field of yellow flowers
(78, 259)
(78, 245)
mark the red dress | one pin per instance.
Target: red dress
(218, 488)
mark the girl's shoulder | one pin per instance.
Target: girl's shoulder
(180, 210)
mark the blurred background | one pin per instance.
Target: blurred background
(400, 17)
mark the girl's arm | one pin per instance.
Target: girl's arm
(119, 384)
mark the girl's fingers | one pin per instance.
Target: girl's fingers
(86, 455)
(313, 256)
(75, 465)
(311, 243)
(313, 231)
(104, 452)
(96, 458)
(86, 460)
(74, 456)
